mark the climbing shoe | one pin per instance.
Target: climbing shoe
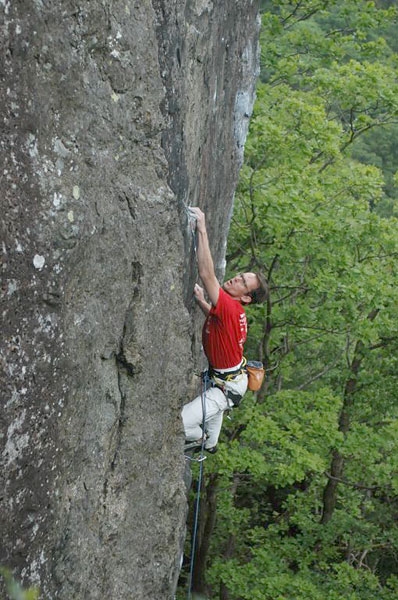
(192, 445)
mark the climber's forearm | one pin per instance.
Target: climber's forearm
(204, 306)
(205, 260)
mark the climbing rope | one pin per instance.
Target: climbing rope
(205, 383)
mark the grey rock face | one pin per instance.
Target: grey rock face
(115, 117)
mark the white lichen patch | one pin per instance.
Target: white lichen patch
(14, 398)
(6, 4)
(35, 568)
(59, 166)
(60, 148)
(76, 192)
(57, 200)
(47, 325)
(32, 145)
(12, 287)
(16, 442)
(38, 261)
(203, 6)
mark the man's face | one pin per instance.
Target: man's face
(241, 285)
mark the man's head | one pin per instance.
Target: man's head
(248, 288)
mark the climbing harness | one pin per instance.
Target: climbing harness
(219, 379)
(228, 375)
(205, 385)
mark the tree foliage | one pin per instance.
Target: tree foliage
(306, 481)
(15, 590)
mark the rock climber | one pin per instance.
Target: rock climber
(223, 336)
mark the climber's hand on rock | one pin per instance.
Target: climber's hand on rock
(199, 293)
(197, 214)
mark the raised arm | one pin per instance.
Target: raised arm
(200, 297)
(205, 260)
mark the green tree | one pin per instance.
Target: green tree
(305, 487)
(14, 589)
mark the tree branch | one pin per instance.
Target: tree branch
(320, 374)
(357, 486)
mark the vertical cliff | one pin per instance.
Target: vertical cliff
(115, 117)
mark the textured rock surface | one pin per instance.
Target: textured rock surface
(115, 116)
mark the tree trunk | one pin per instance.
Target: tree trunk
(229, 549)
(337, 464)
(207, 521)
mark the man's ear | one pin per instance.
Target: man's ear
(246, 299)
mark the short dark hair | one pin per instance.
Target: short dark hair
(261, 293)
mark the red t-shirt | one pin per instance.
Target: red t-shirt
(224, 332)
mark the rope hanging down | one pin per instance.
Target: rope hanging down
(205, 382)
(191, 223)
(200, 460)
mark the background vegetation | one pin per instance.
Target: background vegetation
(14, 589)
(301, 501)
